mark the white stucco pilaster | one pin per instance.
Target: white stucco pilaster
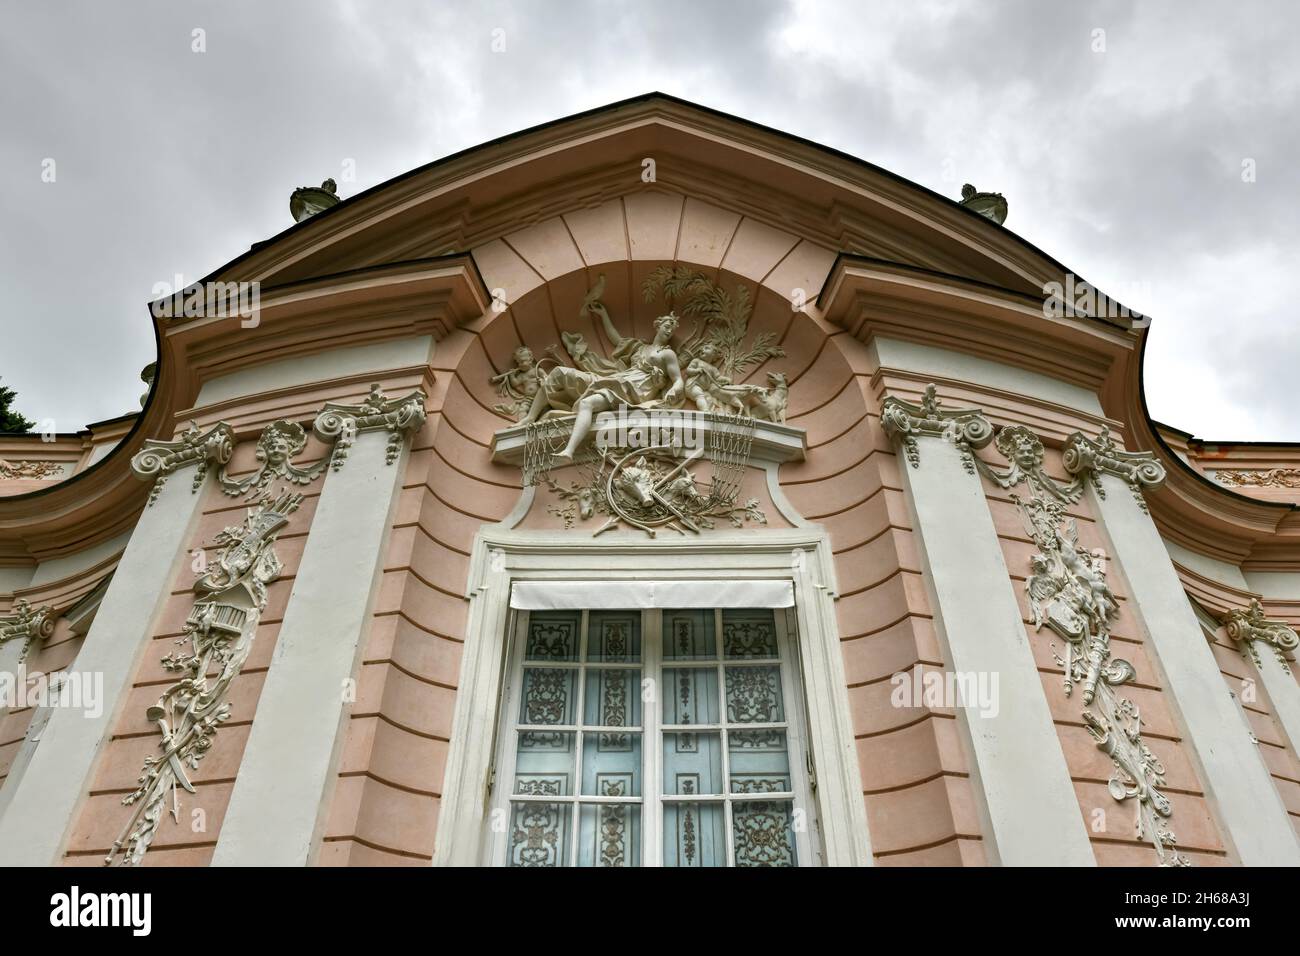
(1030, 805)
(43, 804)
(1248, 808)
(11, 653)
(1283, 693)
(286, 778)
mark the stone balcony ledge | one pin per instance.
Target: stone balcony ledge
(773, 443)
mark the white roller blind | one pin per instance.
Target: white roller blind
(606, 595)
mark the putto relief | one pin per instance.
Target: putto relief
(661, 430)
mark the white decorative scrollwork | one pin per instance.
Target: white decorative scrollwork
(1088, 458)
(1248, 625)
(27, 624)
(220, 631)
(336, 424)
(342, 423)
(158, 459)
(1024, 451)
(1068, 592)
(279, 442)
(966, 428)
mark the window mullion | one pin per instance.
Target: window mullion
(651, 745)
(723, 743)
(580, 715)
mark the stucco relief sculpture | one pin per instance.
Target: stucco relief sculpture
(39, 470)
(1089, 457)
(222, 623)
(1068, 593)
(655, 487)
(279, 442)
(699, 371)
(336, 424)
(1067, 587)
(965, 428)
(158, 459)
(518, 384)
(1247, 626)
(1269, 478)
(27, 624)
(688, 383)
(220, 631)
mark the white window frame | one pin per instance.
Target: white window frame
(800, 556)
(652, 800)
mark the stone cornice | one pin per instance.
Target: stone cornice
(96, 505)
(426, 297)
(870, 298)
(1200, 514)
(358, 307)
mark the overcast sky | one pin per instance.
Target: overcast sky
(1122, 134)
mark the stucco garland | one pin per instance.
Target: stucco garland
(222, 624)
(1067, 588)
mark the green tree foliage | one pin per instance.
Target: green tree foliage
(10, 420)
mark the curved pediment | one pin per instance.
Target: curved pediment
(518, 229)
(574, 167)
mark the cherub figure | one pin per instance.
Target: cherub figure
(707, 387)
(519, 384)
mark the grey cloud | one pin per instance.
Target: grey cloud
(1123, 165)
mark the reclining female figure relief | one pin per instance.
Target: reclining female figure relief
(640, 375)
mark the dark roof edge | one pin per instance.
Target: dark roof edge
(609, 108)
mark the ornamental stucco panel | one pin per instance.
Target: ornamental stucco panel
(220, 629)
(1065, 584)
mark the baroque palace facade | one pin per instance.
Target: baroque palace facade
(647, 488)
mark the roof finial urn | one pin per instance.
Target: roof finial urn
(306, 201)
(991, 205)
